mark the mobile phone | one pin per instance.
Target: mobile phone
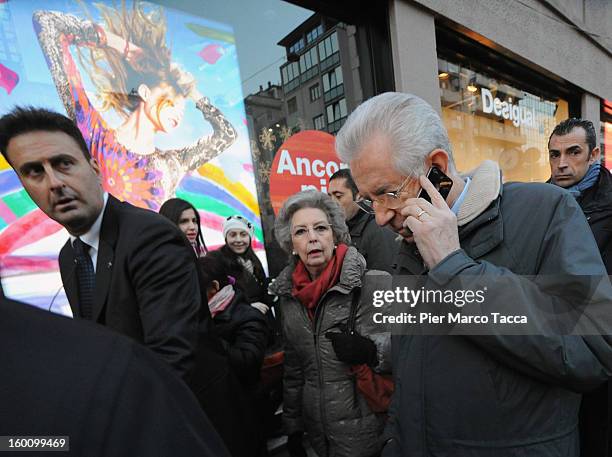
(440, 181)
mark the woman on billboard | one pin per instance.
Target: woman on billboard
(130, 66)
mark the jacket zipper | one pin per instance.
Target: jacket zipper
(319, 367)
(313, 325)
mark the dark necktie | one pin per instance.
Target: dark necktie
(86, 277)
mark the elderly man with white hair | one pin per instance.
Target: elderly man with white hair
(477, 395)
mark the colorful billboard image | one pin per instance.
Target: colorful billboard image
(157, 96)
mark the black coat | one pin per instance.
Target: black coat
(149, 287)
(596, 407)
(62, 377)
(596, 203)
(376, 244)
(244, 333)
(146, 282)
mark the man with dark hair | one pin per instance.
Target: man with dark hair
(108, 395)
(575, 165)
(124, 267)
(376, 244)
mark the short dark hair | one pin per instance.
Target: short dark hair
(345, 173)
(570, 124)
(26, 119)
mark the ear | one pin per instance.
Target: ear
(144, 92)
(595, 155)
(212, 289)
(96, 166)
(439, 158)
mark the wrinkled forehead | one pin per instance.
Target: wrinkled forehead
(577, 136)
(309, 216)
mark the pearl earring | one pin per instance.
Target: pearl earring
(293, 253)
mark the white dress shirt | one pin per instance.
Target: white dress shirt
(92, 236)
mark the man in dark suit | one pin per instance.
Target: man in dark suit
(123, 267)
(108, 395)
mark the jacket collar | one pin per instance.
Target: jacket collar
(598, 197)
(485, 188)
(353, 268)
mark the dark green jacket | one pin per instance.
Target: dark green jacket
(502, 396)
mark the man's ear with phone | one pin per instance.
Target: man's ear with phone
(438, 158)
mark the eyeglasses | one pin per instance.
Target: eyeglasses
(389, 200)
(242, 219)
(301, 231)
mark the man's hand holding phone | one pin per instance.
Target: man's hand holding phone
(433, 225)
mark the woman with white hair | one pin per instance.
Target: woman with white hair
(316, 294)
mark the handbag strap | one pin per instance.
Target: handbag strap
(353, 311)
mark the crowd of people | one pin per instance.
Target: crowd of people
(168, 348)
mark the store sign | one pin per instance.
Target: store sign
(305, 161)
(519, 115)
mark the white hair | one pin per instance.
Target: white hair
(411, 125)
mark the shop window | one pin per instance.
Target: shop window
(256, 67)
(488, 117)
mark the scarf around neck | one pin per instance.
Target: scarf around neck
(588, 181)
(221, 300)
(308, 291)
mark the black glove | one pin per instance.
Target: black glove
(352, 348)
(295, 446)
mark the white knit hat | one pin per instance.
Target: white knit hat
(237, 223)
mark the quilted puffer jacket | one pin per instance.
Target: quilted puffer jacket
(320, 395)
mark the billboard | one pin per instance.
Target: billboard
(304, 161)
(157, 95)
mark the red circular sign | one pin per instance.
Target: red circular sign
(305, 161)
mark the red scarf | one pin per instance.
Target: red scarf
(309, 291)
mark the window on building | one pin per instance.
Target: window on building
(292, 105)
(328, 46)
(290, 72)
(336, 111)
(297, 46)
(332, 79)
(319, 122)
(314, 34)
(315, 92)
(308, 59)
